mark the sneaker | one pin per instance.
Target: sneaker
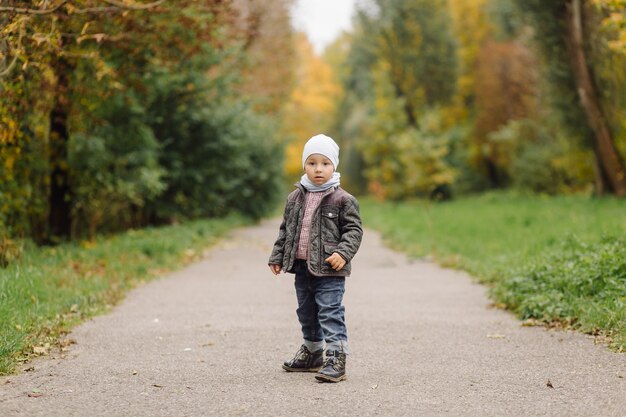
(334, 369)
(305, 361)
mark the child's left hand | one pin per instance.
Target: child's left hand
(336, 261)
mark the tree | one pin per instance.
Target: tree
(505, 90)
(49, 36)
(415, 39)
(615, 21)
(562, 29)
(311, 105)
(121, 95)
(403, 71)
(270, 55)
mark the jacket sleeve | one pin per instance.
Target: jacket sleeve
(276, 258)
(351, 230)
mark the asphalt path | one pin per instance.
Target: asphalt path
(209, 340)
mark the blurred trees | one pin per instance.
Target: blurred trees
(447, 97)
(403, 70)
(566, 30)
(313, 99)
(120, 113)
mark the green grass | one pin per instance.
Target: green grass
(49, 290)
(557, 260)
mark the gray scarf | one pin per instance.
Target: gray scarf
(332, 182)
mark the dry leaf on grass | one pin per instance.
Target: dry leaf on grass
(41, 350)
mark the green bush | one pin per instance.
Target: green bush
(114, 169)
(583, 284)
(218, 155)
(543, 160)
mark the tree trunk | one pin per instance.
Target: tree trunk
(59, 219)
(607, 156)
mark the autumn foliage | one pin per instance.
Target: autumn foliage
(120, 114)
(124, 113)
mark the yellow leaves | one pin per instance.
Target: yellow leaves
(471, 28)
(312, 103)
(615, 21)
(41, 350)
(408, 163)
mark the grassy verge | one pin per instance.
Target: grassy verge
(49, 290)
(560, 261)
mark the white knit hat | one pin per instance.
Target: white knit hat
(323, 145)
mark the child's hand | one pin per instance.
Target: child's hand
(336, 261)
(276, 268)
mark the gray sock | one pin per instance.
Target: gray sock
(313, 346)
(339, 345)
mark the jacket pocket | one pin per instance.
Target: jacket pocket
(330, 223)
(329, 248)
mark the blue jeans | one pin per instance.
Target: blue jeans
(320, 312)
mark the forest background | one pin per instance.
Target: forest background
(119, 114)
(123, 114)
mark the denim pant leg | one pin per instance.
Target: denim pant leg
(307, 307)
(331, 312)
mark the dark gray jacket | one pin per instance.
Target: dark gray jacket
(335, 227)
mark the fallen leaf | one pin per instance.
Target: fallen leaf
(530, 323)
(549, 384)
(157, 386)
(134, 372)
(35, 393)
(496, 336)
(374, 386)
(187, 350)
(29, 369)
(65, 344)
(41, 350)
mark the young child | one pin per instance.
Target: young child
(320, 234)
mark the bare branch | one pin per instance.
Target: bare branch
(133, 6)
(102, 9)
(22, 10)
(10, 67)
(114, 6)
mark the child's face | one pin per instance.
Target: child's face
(318, 169)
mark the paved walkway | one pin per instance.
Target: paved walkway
(209, 341)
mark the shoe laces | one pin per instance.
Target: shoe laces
(332, 360)
(303, 353)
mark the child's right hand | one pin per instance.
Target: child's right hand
(276, 268)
